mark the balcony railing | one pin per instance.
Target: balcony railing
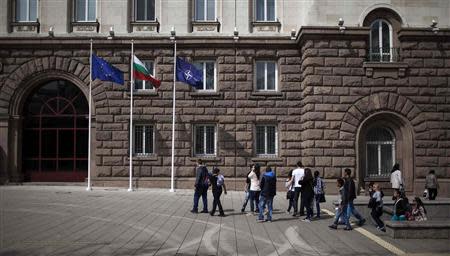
(384, 54)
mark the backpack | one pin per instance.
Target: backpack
(205, 182)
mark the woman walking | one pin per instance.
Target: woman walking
(396, 179)
(255, 189)
(307, 193)
(289, 184)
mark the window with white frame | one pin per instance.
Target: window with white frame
(205, 10)
(144, 140)
(265, 10)
(26, 10)
(144, 10)
(380, 148)
(145, 85)
(209, 74)
(266, 140)
(381, 41)
(205, 139)
(85, 10)
(266, 76)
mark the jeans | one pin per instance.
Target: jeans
(317, 201)
(291, 204)
(297, 193)
(254, 200)
(376, 214)
(216, 202)
(263, 201)
(307, 201)
(432, 193)
(340, 213)
(351, 210)
(247, 196)
(201, 192)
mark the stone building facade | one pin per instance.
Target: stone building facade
(338, 101)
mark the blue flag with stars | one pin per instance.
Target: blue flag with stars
(104, 71)
(189, 74)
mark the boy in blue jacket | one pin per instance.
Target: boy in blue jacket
(268, 186)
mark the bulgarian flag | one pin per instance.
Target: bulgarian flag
(140, 72)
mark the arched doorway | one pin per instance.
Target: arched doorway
(55, 133)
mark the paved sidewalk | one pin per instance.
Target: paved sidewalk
(56, 220)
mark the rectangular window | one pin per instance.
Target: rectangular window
(266, 140)
(205, 10)
(145, 10)
(205, 140)
(145, 85)
(85, 10)
(143, 140)
(266, 76)
(26, 10)
(265, 10)
(209, 74)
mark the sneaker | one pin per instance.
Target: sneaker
(348, 228)
(270, 221)
(333, 226)
(259, 221)
(361, 222)
(249, 214)
(306, 220)
(383, 229)
(294, 215)
(211, 213)
(204, 211)
(222, 215)
(194, 211)
(243, 210)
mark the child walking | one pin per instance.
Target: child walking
(217, 183)
(342, 206)
(376, 204)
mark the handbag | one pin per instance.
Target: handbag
(322, 198)
(290, 194)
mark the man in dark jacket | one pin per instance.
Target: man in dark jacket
(201, 187)
(268, 186)
(349, 196)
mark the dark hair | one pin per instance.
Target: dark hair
(216, 170)
(199, 161)
(340, 182)
(316, 174)
(371, 184)
(257, 170)
(348, 171)
(395, 167)
(308, 174)
(398, 192)
(290, 174)
(299, 164)
(268, 169)
(431, 172)
(419, 203)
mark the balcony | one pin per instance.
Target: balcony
(384, 55)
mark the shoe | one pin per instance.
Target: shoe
(204, 211)
(383, 229)
(348, 228)
(361, 222)
(194, 211)
(249, 214)
(333, 226)
(306, 220)
(269, 221)
(243, 210)
(222, 215)
(259, 221)
(302, 214)
(294, 215)
(211, 213)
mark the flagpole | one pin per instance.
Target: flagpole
(172, 176)
(130, 188)
(89, 188)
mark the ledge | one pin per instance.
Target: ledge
(267, 159)
(85, 27)
(143, 93)
(19, 27)
(206, 158)
(266, 26)
(205, 94)
(332, 32)
(266, 94)
(385, 69)
(145, 26)
(424, 33)
(205, 26)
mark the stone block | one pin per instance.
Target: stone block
(352, 81)
(328, 52)
(112, 160)
(313, 61)
(355, 62)
(342, 71)
(334, 62)
(265, 53)
(344, 162)
(322, 90)
(323, 161)
(437, 81)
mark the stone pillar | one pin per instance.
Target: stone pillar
(3, 149)
(14, 167)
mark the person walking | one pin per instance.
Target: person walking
(268, 192)
(376, 203)
(318, 192)
(307, 193)
(297, 175)
(396, 179)
(254, 188)
(289, 184)
(350, 195)
(217, 183)
(201, 187)
(341, 207)
(432, 185)
(247, 189)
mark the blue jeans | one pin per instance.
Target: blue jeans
(254, 199)
(351, 210)
(317, 201)
(340, 213)
(263, 201)
(247, 196)
(201, 192)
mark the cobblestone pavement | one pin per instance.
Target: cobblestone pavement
(58, 220)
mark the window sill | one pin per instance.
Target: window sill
(85, 26)
(267, 159)
(24, 27)
(206, 158)
(143, 93)
(205, 26)
(145, 26)
(205, 94)
(376, 178)
(266, 94)
(266, 26)
(385, 69)
(151, 157)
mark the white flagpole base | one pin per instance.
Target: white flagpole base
(89, 188)
(130, 190)
(171, 190)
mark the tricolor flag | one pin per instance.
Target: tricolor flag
(141, 72)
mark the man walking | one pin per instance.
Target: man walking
(268, 192)
(201, 187)
(297, 175)
(349, 196)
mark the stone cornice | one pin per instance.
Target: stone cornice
(407, 34)
(331, 32)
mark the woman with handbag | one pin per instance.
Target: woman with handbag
(319, 194)
(289, 184)
(397, 180)
(308, 193)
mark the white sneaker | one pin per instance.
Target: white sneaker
(306, 220)
(249, 214)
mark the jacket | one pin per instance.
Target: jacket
(396, 179)
(254, 182)
(200, 176)
(307, 187)
(349, 190)
(400, 207)
(431, 181)
(268, 184)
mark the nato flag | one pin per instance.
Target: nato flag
(188, 73)
(104, 71)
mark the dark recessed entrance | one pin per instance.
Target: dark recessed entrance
(55, 133)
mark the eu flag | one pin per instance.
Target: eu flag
(188, 73)
(104, 71)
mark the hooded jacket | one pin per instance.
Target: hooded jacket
(268, 184)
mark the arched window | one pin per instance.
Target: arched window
(380, 149)
(381, 45)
